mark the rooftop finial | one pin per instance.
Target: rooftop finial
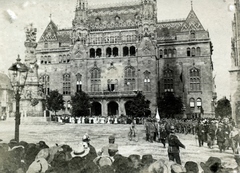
(50, 17)
(191, 5)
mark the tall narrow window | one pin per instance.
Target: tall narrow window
(95, 79)
(165, 53)
(192, 103)
(193, 51)
(174, 53)
(99, 52)
(170, 53)
(161, 53)
(188, 52)
(92, 53)
(79, 82)
(108, 52)
(125, 51)
(115, 51)
(147, 81)
(66, 84)
(132, 51)
(198, 52)
(168, 80)
(45, 45)
(192, 35)
(129, 78)
(195, 80)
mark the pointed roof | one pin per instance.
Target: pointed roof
(192, 23)
(50, 33)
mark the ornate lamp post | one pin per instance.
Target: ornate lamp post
(18, 75)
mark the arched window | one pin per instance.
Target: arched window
(198, 52)
(115, 51)
(129, 78)
(60, 59)
(192, 35)
(161, 53)
(99, 52)
(108, 52)
(188, 52)
(66, 84)
(147, 81)
(165, 53)
(192, 103)
(64, 59)
(79, 82)
(125, 51)
(92, 53)
(132, 51)
(195, 80)
(174, 53)
(170, 53)
(168, 80)
(199, 102)
(193, 51)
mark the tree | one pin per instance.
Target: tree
(170, 105)
(223, 108)
(139, 107)
(80, 104)
(54, 101)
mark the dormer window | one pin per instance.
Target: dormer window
(97, 19)
(117, 18)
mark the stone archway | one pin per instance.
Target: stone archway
(96, 109)
(127, 108)
(113, 108)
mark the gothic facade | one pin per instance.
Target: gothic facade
(114, 52)
(235, 66)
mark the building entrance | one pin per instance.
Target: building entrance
(96, 109)
(112, 108)
(128, 109)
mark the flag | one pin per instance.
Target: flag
(157, 116)
(181, 79)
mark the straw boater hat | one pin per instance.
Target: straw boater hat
(80, 151)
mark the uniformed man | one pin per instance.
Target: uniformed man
(173, 146)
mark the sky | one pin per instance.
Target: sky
(215, 15)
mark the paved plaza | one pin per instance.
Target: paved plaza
(71, 134)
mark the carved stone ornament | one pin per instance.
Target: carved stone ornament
(30, 33)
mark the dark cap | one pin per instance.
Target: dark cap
(111, 137)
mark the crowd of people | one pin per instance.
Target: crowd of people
(23, 157)
(207, 131)
(26, 157)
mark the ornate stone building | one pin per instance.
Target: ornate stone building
(235, 66)
(116, 51)
(6, 97)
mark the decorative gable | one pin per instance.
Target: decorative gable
(50, 33)
(192, 23)
(146, 47)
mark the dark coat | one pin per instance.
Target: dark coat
(174, 143)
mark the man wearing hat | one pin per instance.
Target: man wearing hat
(220, 138)
(111, 147)
(86, 141)
(173, 146)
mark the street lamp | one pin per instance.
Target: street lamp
(18, 75)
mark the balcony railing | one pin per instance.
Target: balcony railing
(112, 94)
